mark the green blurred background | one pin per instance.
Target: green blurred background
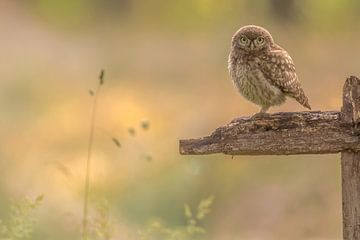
(165, 61)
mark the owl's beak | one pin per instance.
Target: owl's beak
(252, 46)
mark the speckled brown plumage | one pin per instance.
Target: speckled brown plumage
(262, 71)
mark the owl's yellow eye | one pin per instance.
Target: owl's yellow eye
(243, 40)
(260, 40)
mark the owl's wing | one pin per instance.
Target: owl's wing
(278, 68)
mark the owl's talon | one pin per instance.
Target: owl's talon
(260, 115)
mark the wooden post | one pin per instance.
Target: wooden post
(350, 163)
(299, 133)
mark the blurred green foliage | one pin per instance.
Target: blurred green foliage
(65, 12)
(192, 14)
(331, 14)
(156, 229)
(21, 220)
(102, 222)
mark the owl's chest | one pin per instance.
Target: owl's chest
(245, 74)
(252, 84)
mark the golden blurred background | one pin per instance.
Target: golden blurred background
(165, 63)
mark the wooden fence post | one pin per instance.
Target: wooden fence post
(350, 163)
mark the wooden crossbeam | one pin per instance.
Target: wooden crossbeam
(289, 133)
(278, 134)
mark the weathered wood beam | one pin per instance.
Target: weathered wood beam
(278, 134)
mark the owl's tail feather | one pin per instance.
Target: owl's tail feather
(307, 105)
(303, 100)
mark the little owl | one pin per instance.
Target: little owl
(262, 71)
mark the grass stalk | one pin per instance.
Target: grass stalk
(85, 221)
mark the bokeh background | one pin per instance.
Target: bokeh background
(165, 63)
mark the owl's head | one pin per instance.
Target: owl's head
(252, 39)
